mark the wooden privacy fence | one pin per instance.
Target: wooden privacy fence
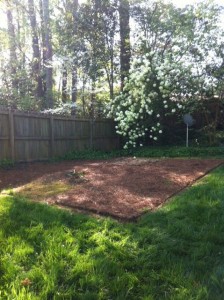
(30, 137)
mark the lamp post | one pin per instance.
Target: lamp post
(189, 121)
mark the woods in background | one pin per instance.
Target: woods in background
(76, 57)
(57, 52)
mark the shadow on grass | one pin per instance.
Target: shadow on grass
(176, 252)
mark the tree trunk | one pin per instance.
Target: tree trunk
(109, 68)
(74, 88)
(12, 47)
(49, 53)
(125, 52)
(36, 64)
(112, 75)
(64, 84)
(43, 50)
(83, 97)
(93, 100)
(75, 71)
(21, 63)
(94, 58)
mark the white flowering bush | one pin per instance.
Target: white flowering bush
(64, 109)
(177, 58)
(151, 92)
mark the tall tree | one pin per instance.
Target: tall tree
(109, 31)
(64, 84)
(125, 50)
(75, 60)
(47, 44)
(36, 63)
(12, 45)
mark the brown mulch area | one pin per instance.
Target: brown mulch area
(122, 188)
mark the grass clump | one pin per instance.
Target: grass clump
(176, 252)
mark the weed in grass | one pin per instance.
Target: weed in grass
(175, 252)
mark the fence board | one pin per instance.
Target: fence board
(31, 127)
(30, 137)
(5, 149)
(4, 130)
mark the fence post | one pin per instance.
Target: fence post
(11, 135)
(51, 152)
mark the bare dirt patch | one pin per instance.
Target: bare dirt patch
(123, 188)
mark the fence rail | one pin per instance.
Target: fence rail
(30, 137)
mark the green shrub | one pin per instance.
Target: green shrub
(6, 163)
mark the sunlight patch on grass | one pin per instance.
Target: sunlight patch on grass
(38, 189)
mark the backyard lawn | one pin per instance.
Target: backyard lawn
(174, 252)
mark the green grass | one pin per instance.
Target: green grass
(176, 252)
(181, 152)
